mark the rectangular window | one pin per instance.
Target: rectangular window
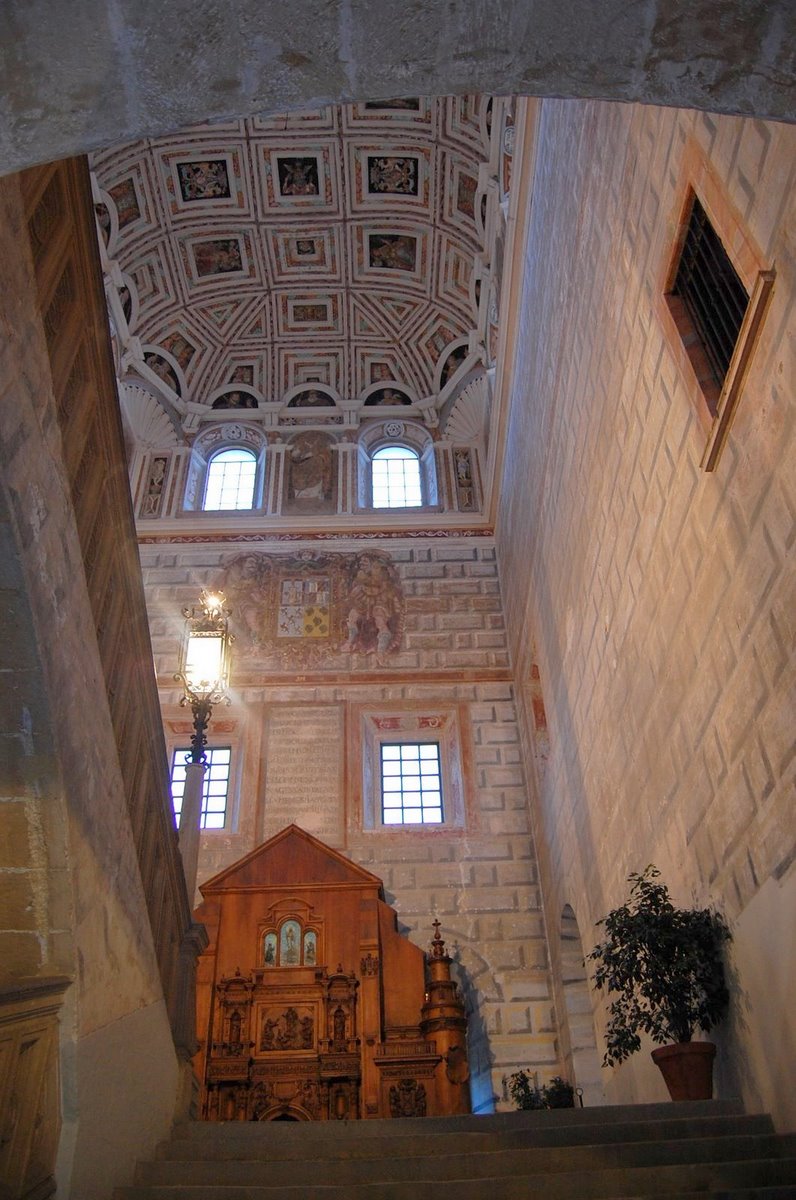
(216, 785)
(716, 292)
(712, 292)
(411, 786)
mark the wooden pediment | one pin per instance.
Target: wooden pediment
(294, 858)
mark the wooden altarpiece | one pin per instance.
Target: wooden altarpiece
(311, 1005)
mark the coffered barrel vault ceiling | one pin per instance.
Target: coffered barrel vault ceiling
(353, 248)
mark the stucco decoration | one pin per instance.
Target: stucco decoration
(145, 417)
(332, 248)
(342, 611)
(468, 415)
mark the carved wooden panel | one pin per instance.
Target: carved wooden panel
(310, 1004)
(30, 1095)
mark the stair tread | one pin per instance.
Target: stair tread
(607, 1113)
(603, 1184)
(699, 1151)
(266, 1140)
(475, 1164)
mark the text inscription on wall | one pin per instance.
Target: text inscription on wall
(304, 771)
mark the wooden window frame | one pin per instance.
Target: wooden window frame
(715, 406)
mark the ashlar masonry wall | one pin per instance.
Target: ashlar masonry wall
(73, 912)
(477, 875)
(660, 597)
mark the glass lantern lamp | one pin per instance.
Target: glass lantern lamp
(204, 664)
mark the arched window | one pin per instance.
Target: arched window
(396, 466)
(231, 476)
(395, 474)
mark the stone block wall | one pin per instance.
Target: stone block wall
(660, 597)
(73, 912)
(480, 879)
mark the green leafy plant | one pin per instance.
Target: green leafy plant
(664, 964)
(527, 1095)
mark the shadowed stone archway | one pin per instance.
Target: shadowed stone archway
(101, 72)
(583, 1044)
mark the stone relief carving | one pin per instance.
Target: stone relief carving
(152, 501)
(288, 1030)
(407, 1099)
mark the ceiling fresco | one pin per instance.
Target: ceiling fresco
(346, 254)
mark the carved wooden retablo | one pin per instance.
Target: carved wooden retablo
(311, 1005)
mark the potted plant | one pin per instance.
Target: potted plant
(665, 966)
(527, 1094)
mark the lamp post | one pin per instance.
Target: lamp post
(204, 674)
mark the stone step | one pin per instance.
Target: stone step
(684, 1151)
(343, 1169)
(262, 1141)
(702, 1179)
(605, 1114)
(784, 1191)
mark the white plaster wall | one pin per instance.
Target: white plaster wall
(660, 597)
(127, 1082)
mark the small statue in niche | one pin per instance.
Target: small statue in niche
(463, 473)
(338, 1028)
(289, 945)
(270, 950)
(464, 480)
(235, 1046)
(150, 505)
(310, 950)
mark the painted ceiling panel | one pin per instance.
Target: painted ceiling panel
(336, 247)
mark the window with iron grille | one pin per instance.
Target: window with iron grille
(216, 785)
(717, 303)
(713, 294)
(411, 787)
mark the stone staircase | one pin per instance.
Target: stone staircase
(689, 1150)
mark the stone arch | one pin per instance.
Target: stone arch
(583, 1053)
(721, 59)
(285, 1112)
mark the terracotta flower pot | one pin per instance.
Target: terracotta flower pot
(687, 1068)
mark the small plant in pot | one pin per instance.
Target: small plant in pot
(664, 965)
(528, 1095)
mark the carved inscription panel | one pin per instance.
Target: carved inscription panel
(304, 771)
